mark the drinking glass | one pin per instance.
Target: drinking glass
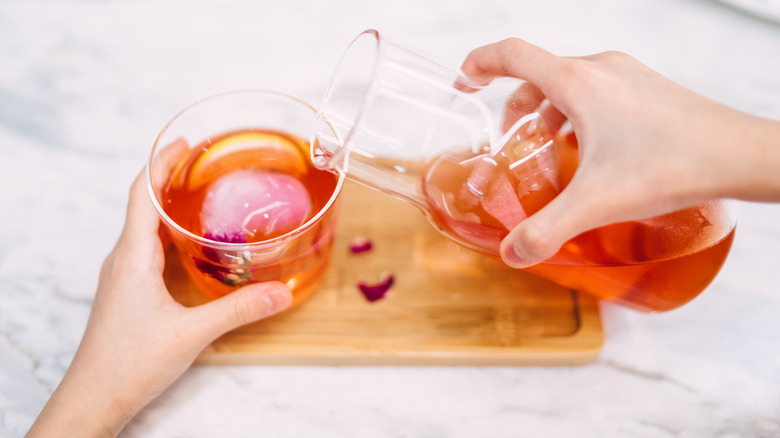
(258, 137)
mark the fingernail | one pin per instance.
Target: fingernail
(279, 298)
(514, 257)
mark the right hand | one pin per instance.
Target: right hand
(647, 145)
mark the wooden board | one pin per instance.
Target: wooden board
(448, 306)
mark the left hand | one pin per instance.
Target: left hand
(138, 339)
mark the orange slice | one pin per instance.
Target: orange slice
(258, 150)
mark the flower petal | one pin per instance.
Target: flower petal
(375, 292)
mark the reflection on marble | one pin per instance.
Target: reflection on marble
(85, 86)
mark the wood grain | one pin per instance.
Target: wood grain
(448, 306)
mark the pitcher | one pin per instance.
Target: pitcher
(477, 160)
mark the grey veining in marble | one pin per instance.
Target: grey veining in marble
(85, 86)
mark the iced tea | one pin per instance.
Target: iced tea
(245, 192)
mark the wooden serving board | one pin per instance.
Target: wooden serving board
(448, 306)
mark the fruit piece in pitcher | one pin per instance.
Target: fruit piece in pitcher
(502, 203)
(258, 204)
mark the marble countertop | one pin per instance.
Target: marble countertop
(86, 86)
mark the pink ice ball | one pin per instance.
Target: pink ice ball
(256, 203)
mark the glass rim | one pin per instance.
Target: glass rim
(227, 245)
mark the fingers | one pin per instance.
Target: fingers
(247, 304)
(542, 234)
(511, 57)
(552, 116)
(167, 159)
(142, 220)
(526, 99)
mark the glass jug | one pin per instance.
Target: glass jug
(478, 160)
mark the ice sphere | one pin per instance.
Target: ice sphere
(259, 204)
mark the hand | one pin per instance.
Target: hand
(138, 339)
(647, 145)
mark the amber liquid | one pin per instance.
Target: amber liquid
(653, 265)
(299, 262)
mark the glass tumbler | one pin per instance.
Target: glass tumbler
(243, 203)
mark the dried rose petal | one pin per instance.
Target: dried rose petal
(374, 292)
(211, 253)
(226, 237)
(360, 244)
(230, 277)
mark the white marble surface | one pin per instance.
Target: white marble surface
(86, 85)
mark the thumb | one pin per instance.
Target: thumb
(242, 306)
(542, 234)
